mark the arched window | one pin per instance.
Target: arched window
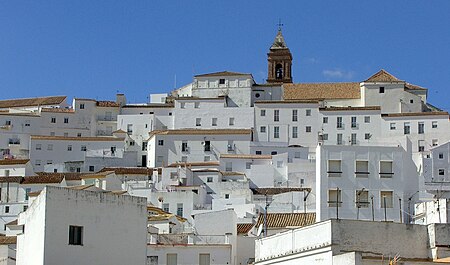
(279, 71)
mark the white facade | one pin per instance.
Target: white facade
(48, 220)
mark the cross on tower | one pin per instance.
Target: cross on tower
(279, 24)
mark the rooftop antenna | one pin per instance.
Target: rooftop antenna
(175, 81)
(279, 24)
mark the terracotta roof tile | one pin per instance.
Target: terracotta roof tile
(223, 73)
(195, 164)
(105, 103)
(283, 220)
(4, 162)
(383, 76)
(298, 101)
(318, 91)
(8, 240)
(414, 87)
(68, 175)
(58, 110)
(11, 179)
(28, 102)
(349, 108)
(85, 139)
(231, 173)
(129, 170)
(44, 179)
(406, 114)
(97, 175)
(201, 132)
(244, 228)
(238, 156)
(274, 191)
(151, 105)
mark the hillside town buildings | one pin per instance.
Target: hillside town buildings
(222, 167)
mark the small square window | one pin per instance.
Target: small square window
(214, 122)
(263, 112)
(37, 162)
(441, 155)
(367, 136)
(308, 112)
(78, 134)
(160, 142)
(325, 137)
(325, 119)
(198, 122)
(75, 235)
(227, 196)
(381, 89)
(66, 120)
(441, 172)
(206, 158)
(366, 119)
(411, 101)
(69, 148)
(38, 147)
(50, 147)
(258, 152)
(308, 129)
(91, 168)
(392, 126)
(6, 209)
(132, 143)
(273, 153)
(434, 124)
(196, 105)
(248, 165)
(83, 148)
(209, 179)
(53, 120)
(81, 106)
(262, 129)
(231, 122)
(221, 81)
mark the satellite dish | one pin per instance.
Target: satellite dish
(260, 228)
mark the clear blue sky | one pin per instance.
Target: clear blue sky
(95, 48)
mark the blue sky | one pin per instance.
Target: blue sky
(93, 49)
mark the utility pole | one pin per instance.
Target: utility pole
(373, 216)
(337, 203)
(384, 202)
(400, 212)
(265, 217)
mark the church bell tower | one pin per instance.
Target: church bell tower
(280, 61)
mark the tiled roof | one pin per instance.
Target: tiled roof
(298, 101)
(107, 104)
(231, 173)
(244, 228)
(84, 139)
(317, 91)
(274, 191)
(13, 222)
(11, 179)
(98, 175)
(238, 156)
(8, 240)
(406, 114)
(414, 87)
(129, 170)
(151, 105)
(195, 164)
(349, 108)
(44, 179)
(58, 110)
(4, 162)
(223, 73)
(283, 220)
(201, 132)
(199, 98)
(27, 102)
(68, 176)
(383, 76)
(82, 187)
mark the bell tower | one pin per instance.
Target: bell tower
(279, 61)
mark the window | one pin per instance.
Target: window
(339, 123)
(334, 168)
(258, 152)
(52, 133)
(82, 106)
(411, 101)
(180, 209)
(279, 164)
(276, 115)
(392, 126)
(38, 146)
(91, 168)
(441, 172)
(206, 158)
(339, 139)
(274, 153)
(204, 259)
(231, 121)
(263, 112)
(228, 166)
(354, 124)
(198, 121)
(160, 142)
(421, 128)
(387, 199)
(184, 146)
(66, 134)
(362, 169)
(214, 122)
(221, 81)
(325, 136)
(262, 129)
(8, 123)
(421, 145)
(276, 132)
(37, 162)
(6, 209)
(308, 129)
(367, 136)
(129, 128)
(152, 260)
(144, 146)
(297, 155)
(78, 134)
(381, 89)
(196, 105)
(248, 165)
(441, 155)
(362, 198)
(227, 196)
(294, 132)
(334, 198)
(132, 143)
(386, 169)
(353, 139)
(25, 207)
(230, 146)
(69, 147)
(308, 112)
(182, 105)
(366, 119)
(27, 123)
(66, 120)
(294, 115)
(325, 119)
(53, 120)
(75, 235)
(406, 128)
(83, 148)
(50, 147)
(171, 259)
(209, 179)
(207, 145)
(434, 124)
(165, 207)
(49, 162)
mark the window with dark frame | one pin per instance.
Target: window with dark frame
(75, 235)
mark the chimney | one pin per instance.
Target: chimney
(121, 99)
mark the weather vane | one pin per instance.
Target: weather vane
(279, 24)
